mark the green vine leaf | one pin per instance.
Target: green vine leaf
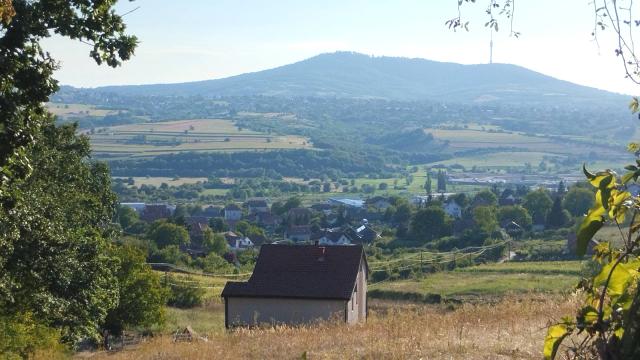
(619, 281)
(590, 225)
(555, 335)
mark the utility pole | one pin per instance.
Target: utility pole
(491, 46)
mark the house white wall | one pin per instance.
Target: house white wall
(256, 311)
(357, 305)
(343, 240)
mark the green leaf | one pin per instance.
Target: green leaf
(628, 176)
(555, 335)
(619, 332)
(620, 278)
(590, 225)
(586, 172)
(589, 315)
(617, 206)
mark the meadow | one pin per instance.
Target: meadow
(490, 282)
(198, 135)
(511, 329)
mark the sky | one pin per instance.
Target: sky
(208, 39)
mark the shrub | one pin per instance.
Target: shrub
(405, 295)
(185, 294)
(379, 275)
(21, 336)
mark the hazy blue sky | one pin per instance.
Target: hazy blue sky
(199, 39)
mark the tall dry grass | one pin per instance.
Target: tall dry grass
(509, 329)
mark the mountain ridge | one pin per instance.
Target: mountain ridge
(355, 75)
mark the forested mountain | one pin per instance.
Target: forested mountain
(353, 75)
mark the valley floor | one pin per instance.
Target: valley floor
(513, 328)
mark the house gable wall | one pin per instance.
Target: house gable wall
(245, 311)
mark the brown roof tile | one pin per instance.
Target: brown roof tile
(307, 271)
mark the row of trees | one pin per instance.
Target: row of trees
(483, 212)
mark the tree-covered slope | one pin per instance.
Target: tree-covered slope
(353, 75)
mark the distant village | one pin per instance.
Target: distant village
(345, 221)
(293, 226)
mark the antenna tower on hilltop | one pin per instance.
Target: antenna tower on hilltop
(491, 47)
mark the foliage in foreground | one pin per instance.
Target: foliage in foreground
(22, 336)
(607, 324)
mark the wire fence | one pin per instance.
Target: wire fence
(419, 259)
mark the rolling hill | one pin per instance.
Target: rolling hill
(354, 75)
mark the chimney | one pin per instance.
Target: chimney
(322, 253)
(316, 243)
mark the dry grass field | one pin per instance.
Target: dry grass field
(469, 139)
(199, 135)
(158, 180)
(75, 110)
(511, 329)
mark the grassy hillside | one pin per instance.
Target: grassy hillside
(510, 329)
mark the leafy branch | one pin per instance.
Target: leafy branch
(603, 321)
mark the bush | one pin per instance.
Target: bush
(185, 294)
(405, 295)
(141, 296)
(172, 255)
(379, 275)
(214, 263)
(21, 336)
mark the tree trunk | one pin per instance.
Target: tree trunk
(631, 337)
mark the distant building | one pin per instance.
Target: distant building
(212, 211)
(232, 212)
(348, 203)
(299, 285)
(237, 241)
(137, 206)
(332, 237)
(266, 220)
(153, 212)
(257, 205)
(197, 225)
(242, 243)
(299, 216)
(366, 234)
(298, 233)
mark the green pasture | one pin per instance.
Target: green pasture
(492, 280)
